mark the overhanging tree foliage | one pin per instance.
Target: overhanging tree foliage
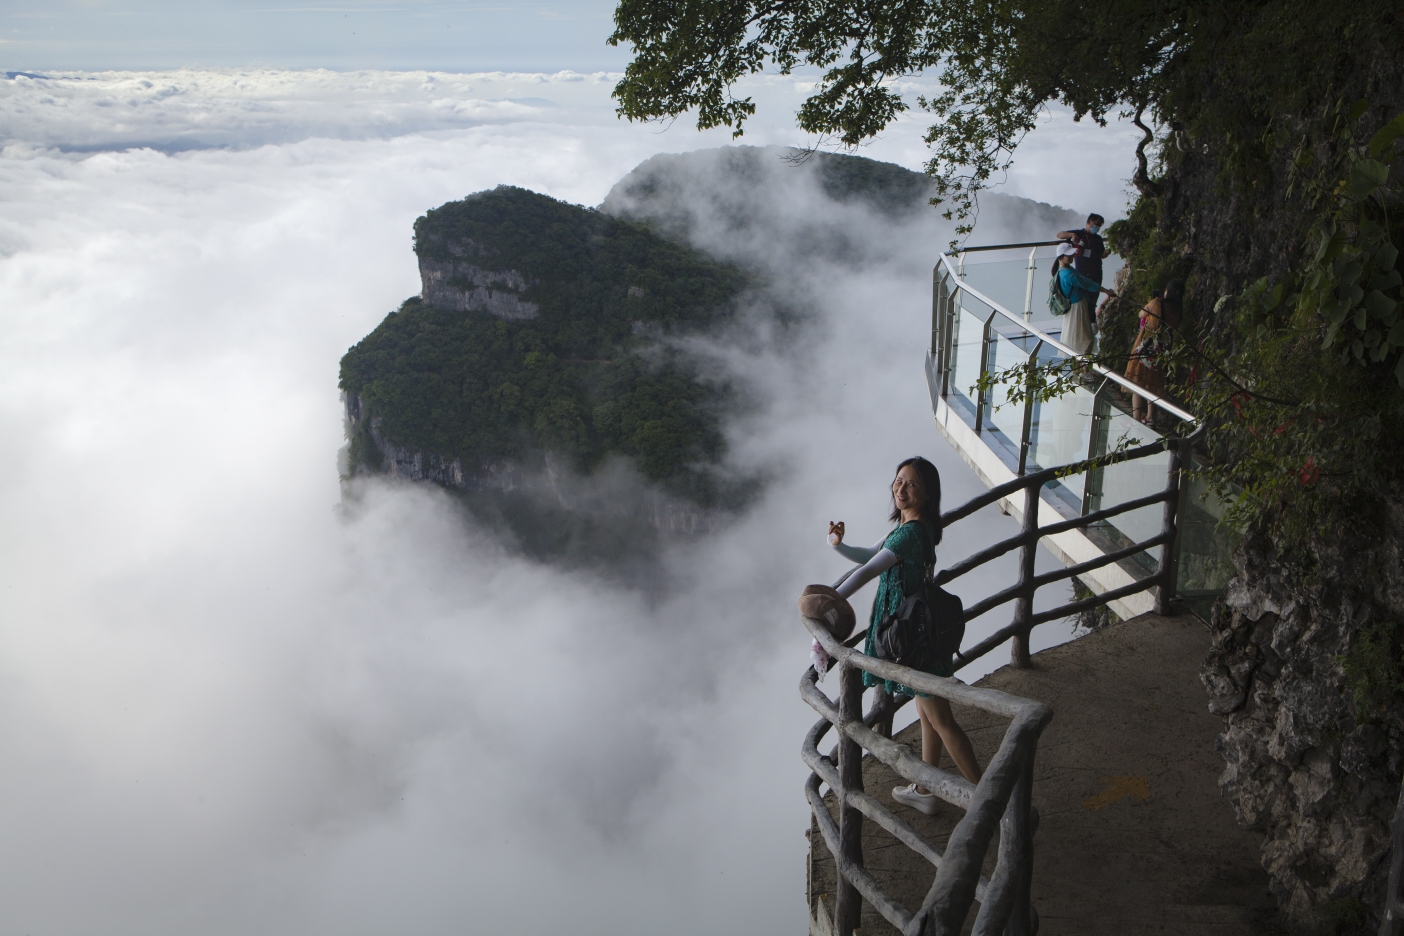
(999, 63)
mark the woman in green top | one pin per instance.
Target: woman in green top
(901, 562)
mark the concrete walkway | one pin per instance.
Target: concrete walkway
(1133, 836)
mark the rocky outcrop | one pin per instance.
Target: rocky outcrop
(464, 287)
(606, 497)
(379, 455)
(1301, 768)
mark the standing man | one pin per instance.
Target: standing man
(1091, 249)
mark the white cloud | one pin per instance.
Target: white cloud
(1074, 164)
(228, 706)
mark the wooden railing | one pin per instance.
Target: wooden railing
(1026, 541)
(1002, 797)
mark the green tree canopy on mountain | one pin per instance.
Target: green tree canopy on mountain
(594, 372)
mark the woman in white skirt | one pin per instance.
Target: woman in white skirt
(1077, 330)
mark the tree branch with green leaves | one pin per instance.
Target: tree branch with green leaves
(998, 65)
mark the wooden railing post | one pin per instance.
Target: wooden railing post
(848, 905)
(882, 700)
(1016, 847)
(1023, 605)
(1167, 570)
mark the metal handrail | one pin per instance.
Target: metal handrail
(1047, 339)
(965, 250)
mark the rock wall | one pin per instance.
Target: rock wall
(1320, 785)
(613, 496)
(396, 461)
(464, 287)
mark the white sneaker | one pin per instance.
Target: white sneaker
(908, 795)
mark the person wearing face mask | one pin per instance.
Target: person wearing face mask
(1080, 291)
(1091, 249)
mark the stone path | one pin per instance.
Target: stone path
(1133, 836)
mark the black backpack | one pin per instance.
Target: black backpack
(927, 630)
(925, 633)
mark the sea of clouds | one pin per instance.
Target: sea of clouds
(230, 705)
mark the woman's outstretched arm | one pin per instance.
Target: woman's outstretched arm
(859, 554)
(883, 560)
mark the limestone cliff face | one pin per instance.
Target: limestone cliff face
(396, 461)
(607, 499)
(464, 287)
(1299, 768)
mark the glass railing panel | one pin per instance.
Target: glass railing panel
(1060, 432)
(1206, 546)
(1003, 280)
(967, 343)
(1006, 281)
(1124, 481)
(1001, 414)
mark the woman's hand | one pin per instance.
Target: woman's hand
(835, 533)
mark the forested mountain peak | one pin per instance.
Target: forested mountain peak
(541, 329)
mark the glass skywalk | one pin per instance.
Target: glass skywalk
(989, 313)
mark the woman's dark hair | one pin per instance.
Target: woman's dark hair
(1174, 291)
(931, 485)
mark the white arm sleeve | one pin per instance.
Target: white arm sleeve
(859, 554)
(884, 560)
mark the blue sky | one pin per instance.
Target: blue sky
(94, 35)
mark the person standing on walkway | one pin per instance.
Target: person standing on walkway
(1091, 249)
(902, 562)
(1080, 290)
(1146, 366)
